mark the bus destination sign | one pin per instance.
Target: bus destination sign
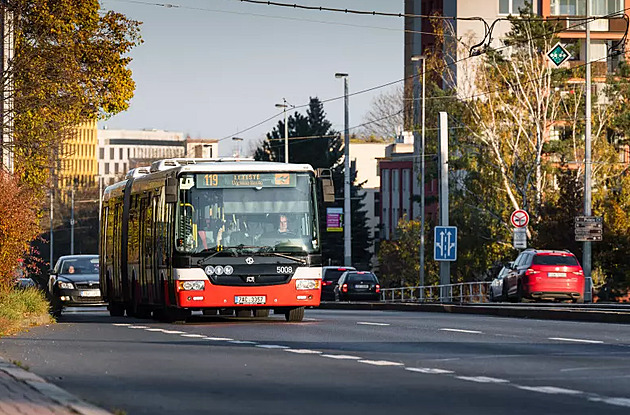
(231, 180)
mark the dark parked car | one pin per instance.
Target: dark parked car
(330, 277)
(74, 282)
(358, 285)
(496, 292)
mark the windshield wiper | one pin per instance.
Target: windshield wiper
(269, 251)
(214, 252)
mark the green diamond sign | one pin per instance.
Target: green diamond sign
(558, 54)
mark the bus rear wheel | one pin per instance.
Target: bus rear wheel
(172, 315)
(261, 313)
(116, 309)
(294, 314)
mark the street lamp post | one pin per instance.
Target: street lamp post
(416, 59)
(284, 107)
(237, 140)
(347, 228)
(72, 223)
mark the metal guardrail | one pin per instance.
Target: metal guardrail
(465, 292)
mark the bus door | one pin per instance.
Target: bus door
(153, 272)
(146, 245)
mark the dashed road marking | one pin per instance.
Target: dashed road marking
(367, 323)
(122, 324)
(463, 331)
(303, 351)
(271, 346)
(137, 327)
(612, 401)
(341, 356)
(429, 370)
(199, 336)
(380, 363)
(241, 342)
(218, 339)
(172, 332)
(482, 379)
(157, 330)
(565, 339)
(551, 390)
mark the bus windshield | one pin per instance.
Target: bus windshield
(248, 212)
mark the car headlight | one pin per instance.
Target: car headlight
(307, 284)
(65, 285)
(191, 285)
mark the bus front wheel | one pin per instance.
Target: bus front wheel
(294, 314)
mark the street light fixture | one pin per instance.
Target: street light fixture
(415, 60)
(284, 106)
(237, 142)
(347, 234)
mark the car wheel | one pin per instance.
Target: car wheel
(337, 297)
(116, 309)
(504, 293)
(519, 292)
(491, 296)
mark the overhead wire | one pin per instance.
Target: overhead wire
(581, 20)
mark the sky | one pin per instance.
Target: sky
(215, 68)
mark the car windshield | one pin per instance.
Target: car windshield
(249, 212)
(555, 260)
(334, 274)
(87, 265)
(361, 278)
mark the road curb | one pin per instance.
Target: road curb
(53, 392)
(598, 316)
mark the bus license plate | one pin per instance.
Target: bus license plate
(557, 274)
(90, 293)
(250, 299)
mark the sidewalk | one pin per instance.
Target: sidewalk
(24, 393)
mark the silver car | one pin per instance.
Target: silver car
(497, 292)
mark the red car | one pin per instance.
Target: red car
(545, 275)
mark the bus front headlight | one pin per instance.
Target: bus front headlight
(307, 284)
(191, 285)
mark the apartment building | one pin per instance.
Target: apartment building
(76, 164)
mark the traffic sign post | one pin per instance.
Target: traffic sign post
(445, 243)
(520, 238)
(519, 218)
(588, 228)
(558, 54)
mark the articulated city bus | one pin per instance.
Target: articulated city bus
(223, 236)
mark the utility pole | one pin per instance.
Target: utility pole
(6, 99)
(284, 105)
(587, 255)
(445, 266)
(52, 195)
(421, 160)
(347, 210)
(72, 223)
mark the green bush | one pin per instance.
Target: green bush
(23, 308)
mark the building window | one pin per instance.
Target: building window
(511, 6)
(120, 153)
(116, 168)
(106, 168)
(578, 7)
(111, 153)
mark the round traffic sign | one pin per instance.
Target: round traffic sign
(519, 218)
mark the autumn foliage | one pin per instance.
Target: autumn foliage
(19, 225)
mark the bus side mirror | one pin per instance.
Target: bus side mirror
(170, 190)
(328, 187)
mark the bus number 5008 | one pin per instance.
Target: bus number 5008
(284, 270)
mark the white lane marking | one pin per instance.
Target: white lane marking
(137, 327)
(463, 331)
(565, 339)
(310, 319)
(271, 346)
(551, 390)
(303, 351)
(241, 342)
(172, 332)
(154, 329)
(122, 324)
(199, 336)
(429, 370)
(380, 363)
(218, 339)
(367, 323)
(341, 356)
(612, 401)
(482, 379)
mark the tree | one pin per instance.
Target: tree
(386, 116)
(313, 141)
(71, 64)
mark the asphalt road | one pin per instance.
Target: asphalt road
(351, 362)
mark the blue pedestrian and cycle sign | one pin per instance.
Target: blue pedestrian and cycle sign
(445, 243)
